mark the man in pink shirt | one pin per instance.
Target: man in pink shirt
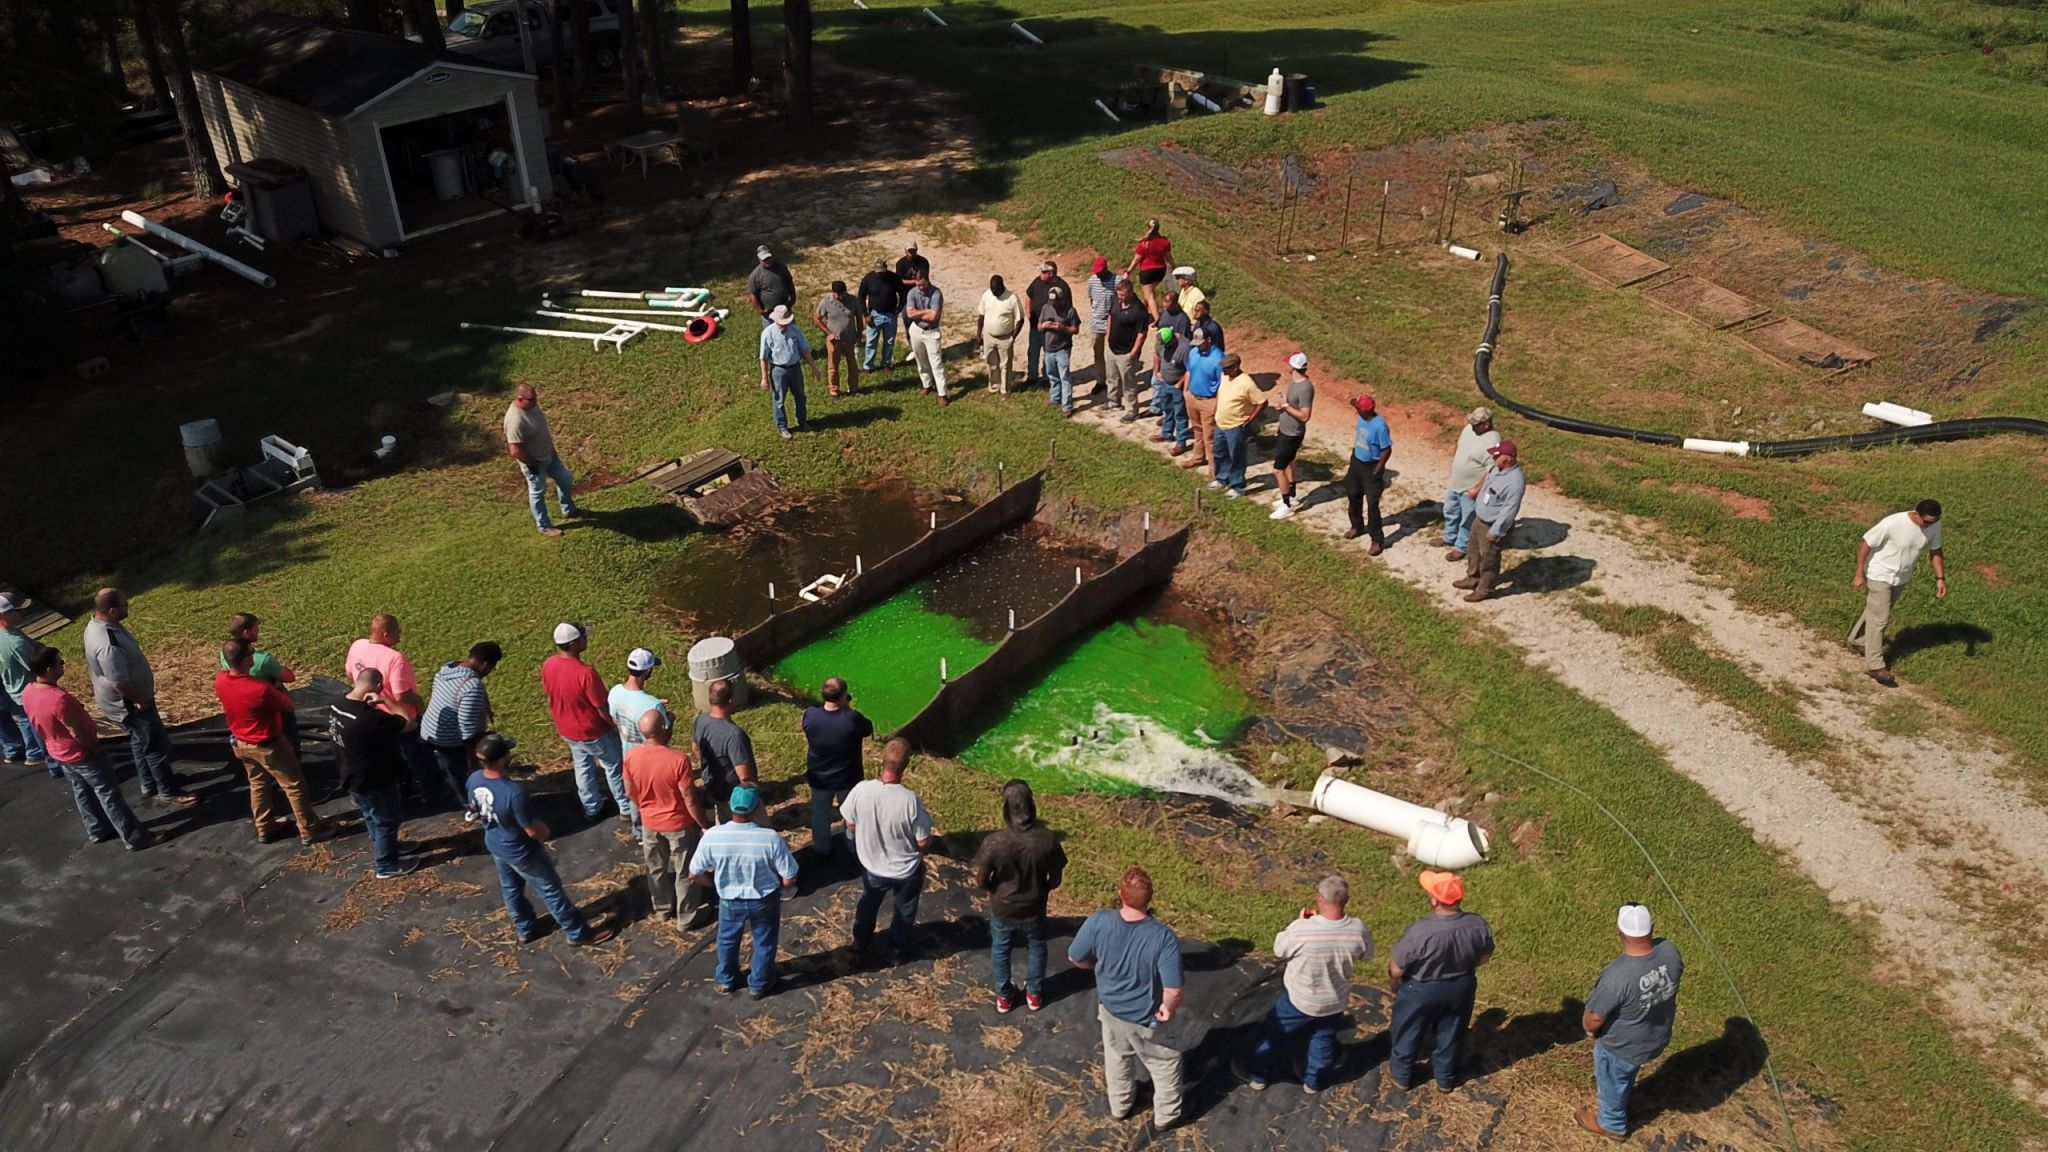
(401, 698)
(583, 719)
(73, 745)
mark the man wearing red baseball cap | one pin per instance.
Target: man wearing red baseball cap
(1499, 501)
(1372, 444)
(1434, 970)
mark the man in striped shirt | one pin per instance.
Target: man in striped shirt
(748, 865)
(458, 714)
(1320, 950)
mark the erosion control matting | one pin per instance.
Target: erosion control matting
(1613, 261)
(1706, 301)
(1787, 340)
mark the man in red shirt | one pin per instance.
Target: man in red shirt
(583, 719)
(255, 711)
(672, 817)
(73, 745)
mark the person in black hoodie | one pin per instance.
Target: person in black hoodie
(1018, 866)
(372, 766)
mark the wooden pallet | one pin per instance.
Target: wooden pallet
(694, 481)
(1794, 344)
(1613, 261)
(1706, 301)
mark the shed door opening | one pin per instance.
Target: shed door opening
(442, 170)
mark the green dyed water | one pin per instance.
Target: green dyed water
(1135, 706)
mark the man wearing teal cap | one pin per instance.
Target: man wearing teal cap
(748, 865)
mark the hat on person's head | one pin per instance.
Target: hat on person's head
(881, 265)
(744, 800)
(1298, 361)
(1634, 920)
(642, 660)
(494, 747)
(1478, 416)
(910, 247)
(762, 253)
(568, 632)
(1365, 405)
(1047, 267)
(781, 315)
(13, 602)
(1201, 335)
(1101, 265)
(1054, 293)
(1504, 448)
(1231, 362)
(1166, 336)
(1184, 272)
(1443, 887)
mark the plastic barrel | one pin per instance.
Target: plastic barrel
(203, 449)
(712, 659)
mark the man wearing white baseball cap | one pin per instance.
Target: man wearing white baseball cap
(1296, 405)
(785, 352)
(1628, 1018)
(583, 720)
(630, 700)
(770, 284)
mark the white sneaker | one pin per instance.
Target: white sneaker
(1282, 510)
(1231, 494)
(1215, 483)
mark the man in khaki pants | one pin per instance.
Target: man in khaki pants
(1137, 965)
(1884, 563)
(256, 712)
(997, 320)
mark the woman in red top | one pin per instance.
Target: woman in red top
(1154, 255)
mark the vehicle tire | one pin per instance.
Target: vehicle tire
(607, 53)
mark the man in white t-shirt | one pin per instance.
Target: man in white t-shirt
(890, 829)
(1469, 465)
(1884, 562)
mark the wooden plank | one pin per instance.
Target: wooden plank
(685, 473)
(1613, 261)
(1706, 301)
(1791, 342)
(42, 620)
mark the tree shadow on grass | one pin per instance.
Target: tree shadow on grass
(1921, 637)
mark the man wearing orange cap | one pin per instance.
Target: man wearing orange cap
(1372, 445)
(1434, 970)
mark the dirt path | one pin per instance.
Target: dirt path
(1911, 830)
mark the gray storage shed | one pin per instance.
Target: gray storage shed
(397, 140)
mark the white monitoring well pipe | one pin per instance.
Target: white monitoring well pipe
(252, 275)
(1437, 839)
(1717, 447)
(1898, 414)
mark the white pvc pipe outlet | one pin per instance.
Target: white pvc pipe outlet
(1717, 447)
(1107, 112)
(1026, 33)
(1899, 414)
(1435, 838)
(252, 275)
(933, 17)
(1205, 102)
(1462, 251)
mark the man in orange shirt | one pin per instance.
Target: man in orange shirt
(255, 711)
(672, 817)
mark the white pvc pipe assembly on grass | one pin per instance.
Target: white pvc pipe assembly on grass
(1435, 838)
(1027, 34)
(1716, 447)
(617, 336)
(933, 17)
(252, 275)
(1108, 113)
(1898, 414)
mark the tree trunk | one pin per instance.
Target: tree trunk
(365, 14)
(629, 67)
(109, 22)
(796, 61)
(586, 51)
(742, 49)
(152, 54)
(558, 71)
(452, 8)
(425, 19)
(207, 183)
(653, 33)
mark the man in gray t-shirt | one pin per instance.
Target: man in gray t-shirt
(1628, 1017)
(1296, 406)
(890, 829)
(770, 284)
(923, 308)
(725, 753)
(124, 686)
(1434, 969)
(530, 442)
(842, 315)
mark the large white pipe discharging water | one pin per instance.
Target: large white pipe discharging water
(1435, 838)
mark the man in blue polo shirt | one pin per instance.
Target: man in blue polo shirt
(1204, 380)
(1372, 444)
(1137, 965)
(514, 834)
(748, 865)
(784, 355)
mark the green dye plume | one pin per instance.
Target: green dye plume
(889, 656)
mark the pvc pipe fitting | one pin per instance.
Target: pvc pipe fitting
(1435, 838)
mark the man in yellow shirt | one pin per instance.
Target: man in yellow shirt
(1190, 295)
(1238, 403)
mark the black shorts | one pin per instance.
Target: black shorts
(1151, 275)
(1285, 450)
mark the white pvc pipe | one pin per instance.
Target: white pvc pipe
(1021, 30)
(1205, 102)
(1437, 839)
(226, 261)
(933, 17)
(1899, 414)
(612, 321)
(1107, 112)
(1461, 250)
(616, 337)
(1717, 447)
(664, 313)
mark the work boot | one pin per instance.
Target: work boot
(1454, 555)
(1475, 596)
(1884, 676)
(1589, 1119)
(1468, 583)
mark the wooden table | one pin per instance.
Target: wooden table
(657, 144)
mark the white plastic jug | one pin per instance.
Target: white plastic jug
(1275, 86)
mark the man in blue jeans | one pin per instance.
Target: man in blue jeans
(1019, 865)
(882, 291)
(1320, 949)
(372, 766)
(833, 733)
(1435, 976)
(1628, 1017)
(514, 836)
(18, 741)
(74, 743)
(1470, 463)
(890, 829)
(784, 354)
(748, 866)
(530, 442)
(124, 686)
